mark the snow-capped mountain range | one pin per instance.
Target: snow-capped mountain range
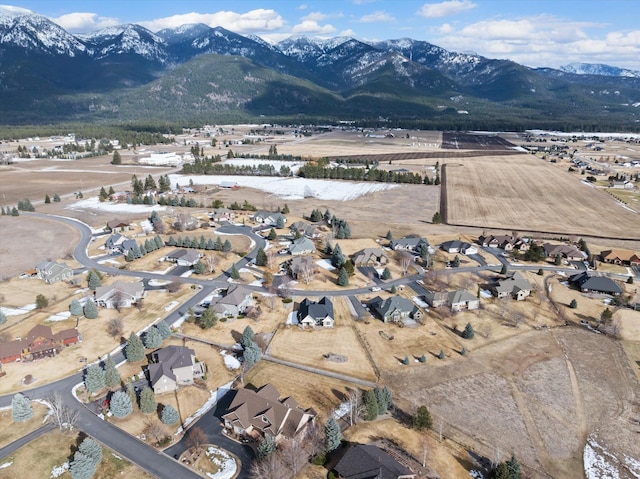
(39, 60)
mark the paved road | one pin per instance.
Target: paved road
(24, 440)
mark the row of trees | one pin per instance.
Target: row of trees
(10, 211)
(320, 170)
(85, 459)
(201, 243)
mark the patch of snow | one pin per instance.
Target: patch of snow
(598, 463)
(485, 293)
(325, 264)
(476, 474)
(227, 466)
(95, 204)
(231, 362)
(57, 471)
(342, 410)
(7, 464)
(292, 318)
(18, 311)
(110, 261)
(116, 456)
(171, 305)
(186, 274)
(293, 188)
(633, 465)
(277, 164)
(59, 316)
(213, 398)
(81, 291)
(157, 282)
(419, 302)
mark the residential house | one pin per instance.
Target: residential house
(568, 252)
(183, 257)
(119, 243)
(119, 294)
(411, 244)
(620, 256)
(255, 414)
(40, 342)
(457, 246)
(306, 229)
(436, 299)
(268, 218)
(621, 184)
(461, 300)
(587, 283)
(312, 313)
(299, 266)
(172, 367)
(118, 225)
(370, 462)
(370, 257)
(235, 302)
(515, 285)
(219, 215)
(505, 242)
(302, 245)
(52, 271)
(229, 185)
(394, 309)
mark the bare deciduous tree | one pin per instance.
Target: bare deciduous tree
(356, 406)
(270, 301)
(271, 467)
(314, 438)
(61, 415)
(196, 437)
(307, 273)
(294, 453)
(404, 260)
(210, 262)
(271, 257)
(174, 286)
(154, 428)
(115, 327)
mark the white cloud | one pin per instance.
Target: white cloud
(304, 6)
(377, 16)
(347, 33)
(259, 20)
(445, 9)
(311, 26)
(81, 22)
(543, 41)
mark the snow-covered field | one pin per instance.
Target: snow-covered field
(325, 264)
(95, 204)
(580, 134)
(292, 188)
(59, 316)
(599, 463)
(18, 311)
(294, 165)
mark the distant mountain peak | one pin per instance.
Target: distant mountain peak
(598, 69)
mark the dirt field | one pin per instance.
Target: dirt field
(527, 194)
(10, 431)
(38, 458)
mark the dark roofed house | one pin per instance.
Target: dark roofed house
(370, 462)
(457, 246)
(598, 284)
(316, 313)
(258, 413)
(306, 229)
(174, 366)
(395, 309)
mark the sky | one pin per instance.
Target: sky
(536, 33)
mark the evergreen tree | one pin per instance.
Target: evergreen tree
(75, 308)
(235, 274)
(332, 435)
(82, 466)
(513, 465)
(134, 350)
(164, 329)
(21, 409)
(15, 212)
(371, 405)
(169, 415)
(266, 447)
(337, 258)
(117, 159)
(171, 241)
(148, 403)
(41, 301)
(328, 249)
(90, 309)
(468, 332)
(56, 198)
(3, 211)
(218, 244)
(199, 268)
(501, 471)
(441, 355)
(247, 336)
(285, 209)
(422, 359)
(208, 319)
(91, 449)
(272, 234)
(280, 222)
(343, 277)
(463, 352)
(130, 256)
(112, 377)
(252, 354)
(94, 280)
(422, 419)
(94, 379)
(226, 247)
(386, 274)
(111, 191)
(152, 338)
(261, 258)
(103, 194)
(405, 361)
(47, 200)
(382, 398)
(573, 304)
(456, 262)
(503, 270)
(120, 405)
(436, 219)
(389, 235)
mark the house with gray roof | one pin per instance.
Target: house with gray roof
(268, 218)
(119, 243)
(394, 309)
(588, 283)
(183, 257)
(255, 414)
(235, 302)
(412, 244)
(300, 265)
(52, 271)
(436, 299)
(515, 285)
(370, 462)
(457, 246)
(461, 300)
(316, 313)
(370, 257)
(119, 294)
(172, 367)
(302, 245)
(219, 215)
(306, 229)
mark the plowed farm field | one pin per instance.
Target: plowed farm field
(528, 194)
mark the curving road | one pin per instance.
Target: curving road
(151, 460)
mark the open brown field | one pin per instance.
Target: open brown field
(38, 458)
(524, 193)
(11, 431)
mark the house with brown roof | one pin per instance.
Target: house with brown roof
(255, 414)
(515, 285)
(370, 257)
(119, 294)
(306, 229)
(118, 226)
(40, 342)
(620, 256)
(219, 215)
(505, 242)
(568, 252)
(172, 367)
